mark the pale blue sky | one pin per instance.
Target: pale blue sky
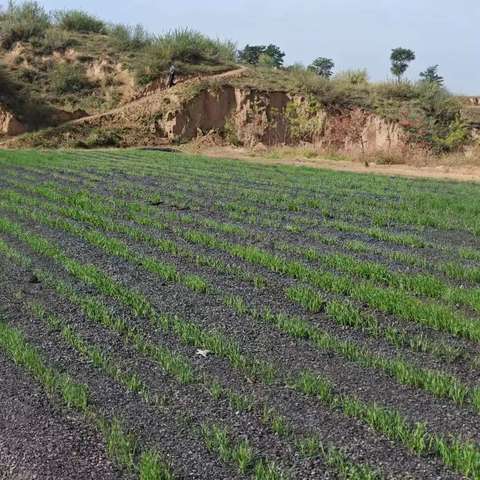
(355, 33)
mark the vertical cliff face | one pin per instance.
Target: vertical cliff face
(274, 118)
(9, 124)
(253, 117)
(358, 131)
(209, 110)
(242, 116)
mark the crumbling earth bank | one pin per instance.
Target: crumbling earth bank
(9, 124)
(251, 117)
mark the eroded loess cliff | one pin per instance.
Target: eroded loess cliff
(9, 124)
(233, 115)
(249, 117)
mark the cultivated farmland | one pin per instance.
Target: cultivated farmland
(166, 316)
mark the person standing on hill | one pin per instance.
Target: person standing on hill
(172, 72)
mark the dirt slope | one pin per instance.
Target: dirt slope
(231, 112)
(235, 108)
(148, 104)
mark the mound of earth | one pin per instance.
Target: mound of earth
(239, 115)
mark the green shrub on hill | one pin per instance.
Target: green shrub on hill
(57, 39)
(79, 21)
(23, 22)
(68, 78)
(127, 37)
(102, 138)
(353, 77)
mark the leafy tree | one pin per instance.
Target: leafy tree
(275, 54)
(266, 61)
(322, 66)
(401, 58)
(252, 54)
(431, 75)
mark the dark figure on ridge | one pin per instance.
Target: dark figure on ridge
(171, 76)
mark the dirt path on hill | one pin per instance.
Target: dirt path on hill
(152, 98)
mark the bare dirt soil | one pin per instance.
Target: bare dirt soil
(462, 173)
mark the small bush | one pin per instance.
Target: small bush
(395, 91)
(28, 75)
(7, 87)
(79, 21)
(296, 67)
(68, 78)
(304, 119)
(266, 61)
(23, 23)
(57, 39)
(386, 158)
(101, 138)
(353, 77)
(310, 82)
(230, 133)
(457, 136)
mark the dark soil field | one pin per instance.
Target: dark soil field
(166, 316)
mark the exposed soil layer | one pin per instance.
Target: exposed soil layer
(219, 111)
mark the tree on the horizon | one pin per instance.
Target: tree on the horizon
(401, 58)
(323, 67)
(431, 75)
(270, 55)
(276, 54)
(267, 61)
(250, 54)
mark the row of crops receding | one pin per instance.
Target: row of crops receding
(208, 318)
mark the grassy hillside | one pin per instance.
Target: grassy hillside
(73, 61)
